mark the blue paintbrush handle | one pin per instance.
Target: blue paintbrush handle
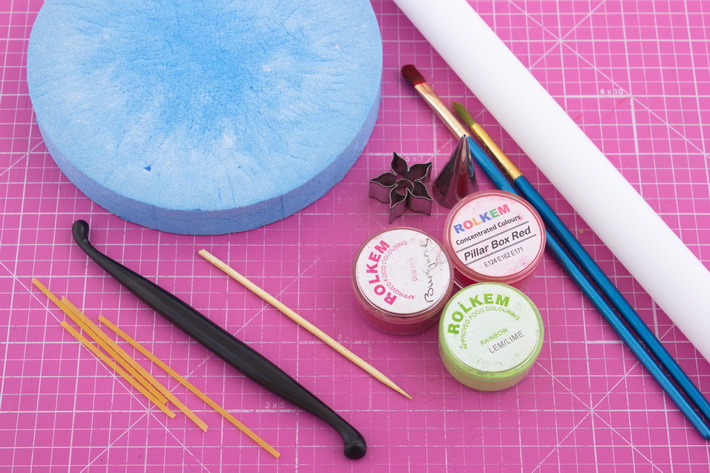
(489, 168)
(569, 265)
(578, 252)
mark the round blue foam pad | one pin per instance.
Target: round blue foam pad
(205, 117)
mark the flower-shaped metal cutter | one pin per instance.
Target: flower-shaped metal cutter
(403, 187)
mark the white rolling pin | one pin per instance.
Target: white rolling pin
(671, 274)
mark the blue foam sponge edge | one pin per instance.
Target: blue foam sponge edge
(205, 117)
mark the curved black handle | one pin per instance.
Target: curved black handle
(245, 359)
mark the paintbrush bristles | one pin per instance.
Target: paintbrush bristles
(412, 74)
(463, 114)
(432, 99)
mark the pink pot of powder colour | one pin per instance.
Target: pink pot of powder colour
(494, 236)
(402, 279)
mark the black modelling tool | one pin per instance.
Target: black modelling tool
(235, 352)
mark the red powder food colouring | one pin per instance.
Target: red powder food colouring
(402, 278)
(494, 236)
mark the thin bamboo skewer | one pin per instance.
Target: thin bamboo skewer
(301, 321)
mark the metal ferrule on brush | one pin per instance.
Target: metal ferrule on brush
(451, 122)
(505, 162)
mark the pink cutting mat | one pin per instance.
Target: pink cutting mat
(634, 74)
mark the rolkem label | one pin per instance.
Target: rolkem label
(480, 219)
(465, 307)
(373, 265)
(490, 327)
(402, 271)
(495, 235)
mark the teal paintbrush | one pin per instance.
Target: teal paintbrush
(572, 245)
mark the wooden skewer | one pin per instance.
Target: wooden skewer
(101, 355)
(189, 386)
(301, 321)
